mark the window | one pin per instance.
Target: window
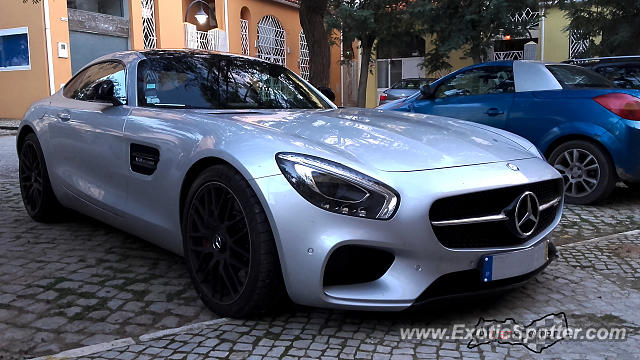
(208, 82)
(574, 77)
(625, 76)
(305, 64)
(83, 86)
(14, 49)
(479, 81)
(389, 72)
(271, 40)
(108, 7)
(244, 36)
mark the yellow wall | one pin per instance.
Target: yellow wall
(556, 40)
(18, 89)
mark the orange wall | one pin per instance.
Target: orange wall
(18, 89)
(59, 33)
(169, 24)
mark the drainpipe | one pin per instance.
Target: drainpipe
(226, 22)
(47, 32)
(542, 36)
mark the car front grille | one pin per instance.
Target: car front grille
(487, 218)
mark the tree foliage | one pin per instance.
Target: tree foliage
(368, 21)
(471, 25)
(612, 26)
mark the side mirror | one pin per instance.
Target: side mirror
(426, 91)
(105, 92)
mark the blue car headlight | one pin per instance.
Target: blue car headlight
(337, 188)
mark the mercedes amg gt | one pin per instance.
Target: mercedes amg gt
(268, 189)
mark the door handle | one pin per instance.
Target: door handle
(64, 116)
(494, 112)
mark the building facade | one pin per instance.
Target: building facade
(44, 42)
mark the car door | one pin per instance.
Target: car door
(87, 137)
(159, 138)
(482, 94)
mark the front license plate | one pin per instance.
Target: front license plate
(514, 263)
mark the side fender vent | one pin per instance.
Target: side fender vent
(144, 159)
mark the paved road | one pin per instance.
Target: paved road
(80, 282)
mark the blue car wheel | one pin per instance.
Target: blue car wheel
(587, 171)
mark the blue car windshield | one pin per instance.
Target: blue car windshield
(210, 81)
(575, 77)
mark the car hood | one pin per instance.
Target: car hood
(401, 92)
(390, 140)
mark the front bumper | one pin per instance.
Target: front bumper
(468, 283)
(306, 236)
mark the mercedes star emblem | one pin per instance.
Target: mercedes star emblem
(527, 214)
(513, 167)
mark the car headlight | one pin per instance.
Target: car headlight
(337, 188)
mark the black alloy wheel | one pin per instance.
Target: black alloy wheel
(229, 246)
(35, 187)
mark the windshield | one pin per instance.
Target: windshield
(210, 81)
(412, 84)
(573, 77)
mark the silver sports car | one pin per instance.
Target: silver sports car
(268, 189)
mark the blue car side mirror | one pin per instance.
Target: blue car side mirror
(426, 91)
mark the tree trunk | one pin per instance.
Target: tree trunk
(312, 14)
(476, 53)
(366, 47)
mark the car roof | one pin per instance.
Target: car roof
(127, 56)
(599, 60)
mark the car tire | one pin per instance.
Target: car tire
(587, 171)
(229, 247)
(38, 197)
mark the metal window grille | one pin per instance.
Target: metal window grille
(244, 36)
(304, 57)
(525, 15)
(578, 44)
(271, 42)
(149, 24)
(508, 55)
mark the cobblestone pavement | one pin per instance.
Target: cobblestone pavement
(80, 282)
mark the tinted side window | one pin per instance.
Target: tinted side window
(574, 77)
(182, 81)
(479, 81)
(83, 86)
(626, 76)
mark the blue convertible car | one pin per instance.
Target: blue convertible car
(586, 128)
